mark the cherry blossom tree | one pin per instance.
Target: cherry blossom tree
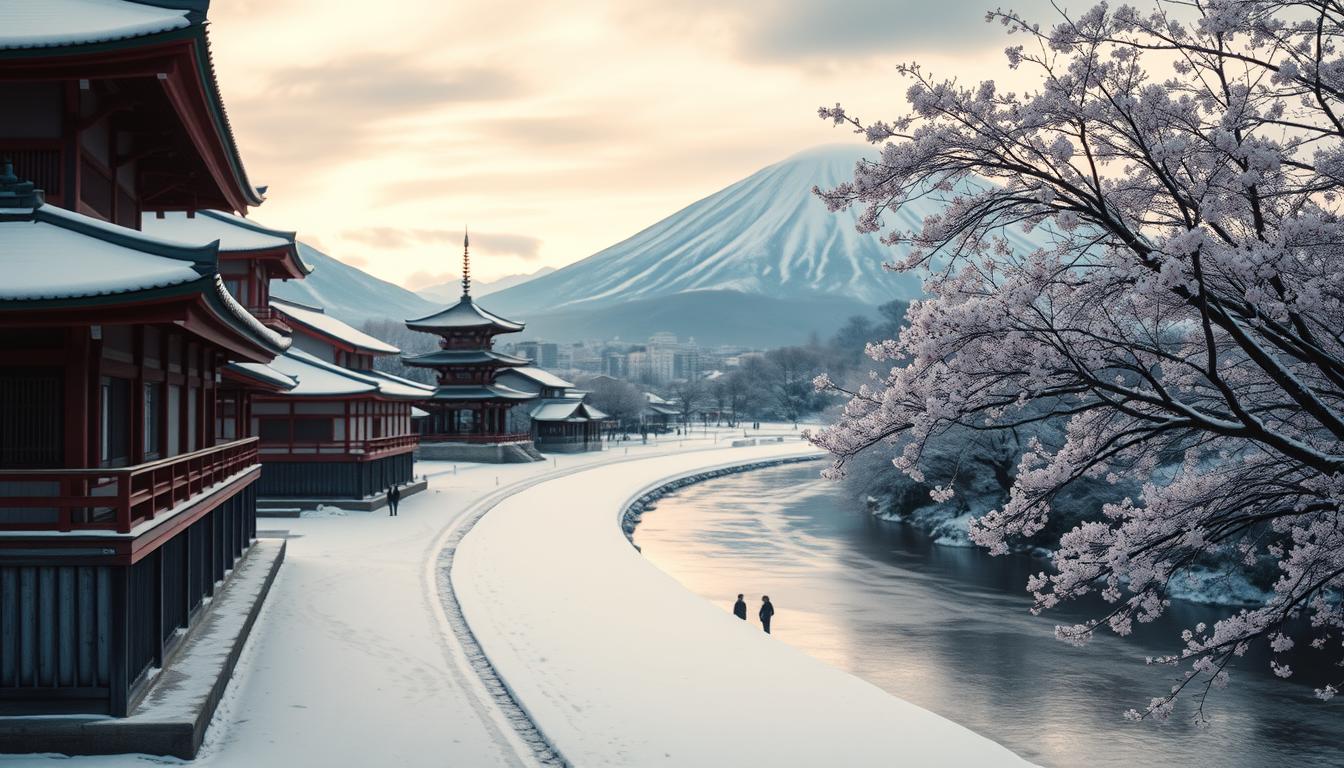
(1147, 245)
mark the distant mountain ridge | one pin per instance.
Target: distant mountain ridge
(765, 241)
(350, 294)
(759, 263)
(448, 292)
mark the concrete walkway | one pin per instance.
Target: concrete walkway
(618, 665)
(351, 661)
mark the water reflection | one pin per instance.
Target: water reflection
(948, 629)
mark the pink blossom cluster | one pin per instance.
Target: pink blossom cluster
(1156, 260)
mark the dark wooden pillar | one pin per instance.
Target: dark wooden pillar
(138, 395)
(159, 622)
(119, 646)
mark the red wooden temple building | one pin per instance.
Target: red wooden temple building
(123, 506)
(469, 410)
(332, 429)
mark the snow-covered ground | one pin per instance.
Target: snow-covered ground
(621, 666)
(349, 663)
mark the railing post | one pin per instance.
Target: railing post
(124, 503)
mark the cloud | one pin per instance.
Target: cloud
(303, 115)
(775, 31)
(559, 130)
(492, 243)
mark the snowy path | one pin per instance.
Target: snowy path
(351, 662)
(621, 666)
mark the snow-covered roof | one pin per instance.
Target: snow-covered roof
(236, 235)
(653, 399)
(233, 232)
(395, 386)
(317, 320)
(42, 259)
(318, 378)
(52, 254)
(418, 413)
(543, 377)
(463, 357)
(246, 318)
(478, 392)
(50, 23)
(263, 372)
(565, 410)
(464, 314)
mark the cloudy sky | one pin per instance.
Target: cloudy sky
(553, 129)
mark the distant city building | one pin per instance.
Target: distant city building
(543, 353)
(615, 364)
(686, 365)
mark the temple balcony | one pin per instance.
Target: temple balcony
(511, 437)
(119, 499)
(371, 448)
(271, 318)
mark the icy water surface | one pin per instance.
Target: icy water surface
(948, 629)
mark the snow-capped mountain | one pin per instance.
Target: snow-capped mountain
(350, 294)
(448, 292)
(766, 237)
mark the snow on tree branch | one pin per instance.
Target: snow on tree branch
(1147, 246)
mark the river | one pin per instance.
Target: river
(949, 629)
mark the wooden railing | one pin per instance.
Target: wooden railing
(511, 437)
(269, 316)
(116, 499)
(372, 446)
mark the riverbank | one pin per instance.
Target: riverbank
(949, 629)
(619, 665)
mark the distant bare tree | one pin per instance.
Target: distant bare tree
(621, 400)
(689, 397)
(408, 341)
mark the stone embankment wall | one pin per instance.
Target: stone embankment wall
(634, 511)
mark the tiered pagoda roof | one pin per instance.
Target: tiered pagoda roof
(56, 261)
(466, 314)
(157, 51)
(237, 236)
(467, 330)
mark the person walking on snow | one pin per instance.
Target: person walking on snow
(393, 499)
(740, 608)
(767, 610)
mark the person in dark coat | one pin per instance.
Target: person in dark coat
(767, 611)
(394, 499)
(740, 608)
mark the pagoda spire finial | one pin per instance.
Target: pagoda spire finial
(466, 264)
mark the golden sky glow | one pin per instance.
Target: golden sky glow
(553, 129)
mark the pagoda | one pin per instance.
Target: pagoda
(469, 411)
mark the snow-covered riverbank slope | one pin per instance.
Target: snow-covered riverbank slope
(619, 665)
